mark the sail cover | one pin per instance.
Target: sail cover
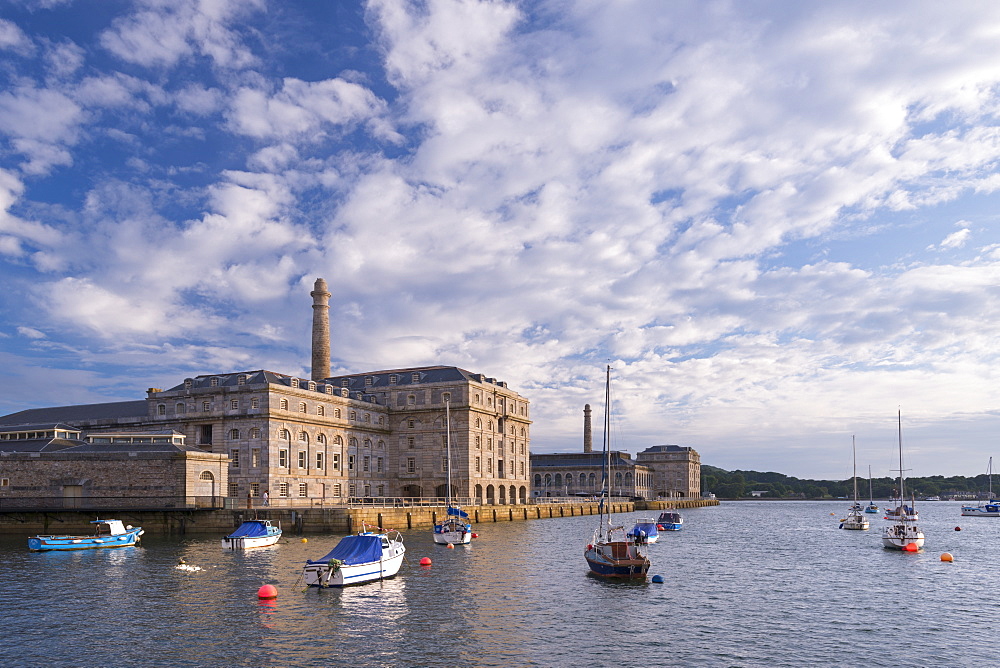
(249, 530)
(457, 512)
(353, 550)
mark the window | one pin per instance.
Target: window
(302, 459)
(321, 410)
(381, 419)
(368, 417)
(345, 382)
(415, 377)
(283, 458)
(410, 443)
(336, 462)
(411, 400)
(354, 415)
(312, 386)
(489, 466)
(522, 469)
(479, 442)
(393, 379)
(255, 403)
(214, 382)
(350, 462)
(206, 475)
(241, 380)
(319, 461)
(368, 443)
(304, 437)
(479, 423)
(522, 448)
(411, 423)
(180, 409)
(283, 489)
(187, 383)
(303, 490)
(337, 489)
(234, 404)
(284, 435)
(321, 438)
(283, 404)
(352, 490)
(255, 432)
(381, 445)
(295, 383)
(255, 489)
(378, 465)
(381, 490)
(447, 397)
(255, 457)
(234, 490)
(444, 464)
(489, 444)
(302, 407)
(500, 468)
(478, 468)
(364, 463)
(411, 465)
(234, 434)
(206, 405)
(161, 409)
(368, 381)
(336, 412)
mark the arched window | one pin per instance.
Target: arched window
(337, 440)
(321, 410)
(302, 407)
(380, 445)
(321, 438)
(479, 423)
(284, 435)
(353, 442)
(303, 436)
(336, 412)
(538, 480)
(206, 475)
(368, 443)
(558, 480)
(161, 409)
(283, 404)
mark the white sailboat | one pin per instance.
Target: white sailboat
(989, 509)
(903, 533)
(610, 553)
(855, 519)
(455, 528)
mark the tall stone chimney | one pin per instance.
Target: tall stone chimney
(588, 433)
(321, 331)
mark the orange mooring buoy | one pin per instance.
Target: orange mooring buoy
(267, 592)
(947, 557)
(426, 561)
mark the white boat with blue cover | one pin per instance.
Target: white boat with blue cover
(253, 533)
(989, 509)
(644, 531)
(108, 533)
(364, 557)
(454, 530)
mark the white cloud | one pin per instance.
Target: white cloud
(13, 38)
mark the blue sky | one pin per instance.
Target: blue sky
(776, 221)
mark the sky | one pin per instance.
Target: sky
(776, 221)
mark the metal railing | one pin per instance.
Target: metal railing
(112, 503)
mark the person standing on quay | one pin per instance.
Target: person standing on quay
(249, 500)
(266, 498)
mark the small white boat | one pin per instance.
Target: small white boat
(109, 533)
(252, 533)
(871, 507)
(364, 557)
(989, 509)
(903, 534)
(855, 520)
(902, 512)
(644, 531)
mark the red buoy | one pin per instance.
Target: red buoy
(910, 547)
(267, 592)
(426, 561)
(958, 528)
(475, 535)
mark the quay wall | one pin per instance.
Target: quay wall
(342, 520)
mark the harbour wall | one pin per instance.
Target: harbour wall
(293, 521)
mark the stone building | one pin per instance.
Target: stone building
(328, 438)
(660, 471)
(56, 465)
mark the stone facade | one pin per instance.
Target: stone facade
(676, 471)
(576, 474)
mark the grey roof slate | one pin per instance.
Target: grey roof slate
(82, 412)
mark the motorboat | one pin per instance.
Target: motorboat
(903, 534)
(108, 533)
(611, 553)
(670, 520)
(371, 554)
(855, 520)
(253, 533)
(644, 531)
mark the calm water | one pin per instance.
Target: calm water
(748, 584)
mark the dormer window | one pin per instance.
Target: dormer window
(241, 379)
(344, 392)
(368, 381)
(415, 378)
(187, 383)
(295, 383)
(393, 379)
(214, 382)
(346, 382)
(329, 389)
(312, 386)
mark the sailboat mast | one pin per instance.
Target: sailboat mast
(902, 494)
(607, 452)
(447, 441)
(854, 457)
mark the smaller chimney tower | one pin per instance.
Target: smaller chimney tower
(321, 331)
(588, 434)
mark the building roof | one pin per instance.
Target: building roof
(425, 374)
(666, 448)
(580, 459)
(71, 414)
(39, 445)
